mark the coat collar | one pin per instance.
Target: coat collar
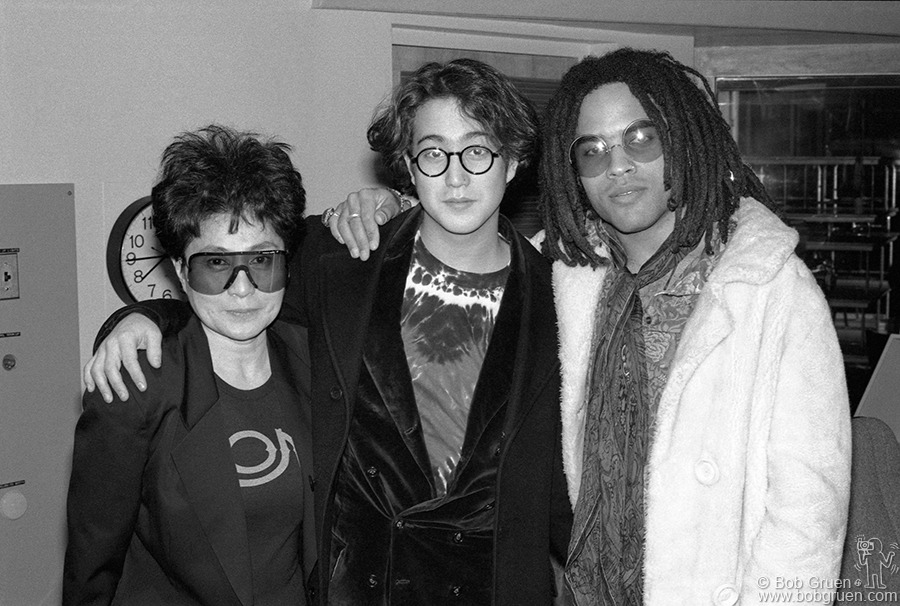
(531, 324)
(757, 249)
(348, 289)
(385, 358)
(200, 391)
(576, 291)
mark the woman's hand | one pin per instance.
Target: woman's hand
(355, 221)
(119, 348)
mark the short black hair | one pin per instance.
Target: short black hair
(484, 95)
(218, 170)
(703, 167)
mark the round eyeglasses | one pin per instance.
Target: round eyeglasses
(475, 159)
(590, 154)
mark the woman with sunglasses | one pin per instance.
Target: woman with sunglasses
(197, 491)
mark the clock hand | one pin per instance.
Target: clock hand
(134, 259)
(149, 271)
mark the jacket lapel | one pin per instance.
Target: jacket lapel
(385, 357)
(492, 391)
(352, 292)
(709, 324)
(349, 288)
(346, 286)
(203, 461)
(290, 344)
(577, 294)
(522, 355)
(748, 258)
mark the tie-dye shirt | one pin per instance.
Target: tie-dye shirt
(446, 324)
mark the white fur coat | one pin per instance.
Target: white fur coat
(748, 474)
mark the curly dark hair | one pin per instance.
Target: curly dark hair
(703, 167)
(484, 95)
(217, 170)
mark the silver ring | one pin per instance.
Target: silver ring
(353, 216)
(326, 216)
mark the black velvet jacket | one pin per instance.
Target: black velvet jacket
(508, 500)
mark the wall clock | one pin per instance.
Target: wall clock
(137, 267)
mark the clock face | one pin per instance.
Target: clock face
(138, 268)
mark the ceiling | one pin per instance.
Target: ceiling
(705, 36)
(709, 22)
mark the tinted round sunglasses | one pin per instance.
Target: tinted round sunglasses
(590, 154)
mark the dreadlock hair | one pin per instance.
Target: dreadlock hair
(218, 170)
(703, 168)
(484, 95)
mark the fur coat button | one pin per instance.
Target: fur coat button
(725, 595)
(706, 471)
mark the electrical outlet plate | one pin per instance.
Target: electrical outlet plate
(9, 274)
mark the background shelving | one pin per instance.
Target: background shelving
(845, 210)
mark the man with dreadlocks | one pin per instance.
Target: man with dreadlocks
(705, 416)
(705, 413)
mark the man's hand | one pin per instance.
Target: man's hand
(354, 222)
(119, 348)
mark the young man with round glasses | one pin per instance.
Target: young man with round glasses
(705, 412)
(436, 424)
(450, 488)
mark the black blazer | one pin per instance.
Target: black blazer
(154, 488)
(533, 516)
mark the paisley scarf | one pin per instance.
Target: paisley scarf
(606, 561)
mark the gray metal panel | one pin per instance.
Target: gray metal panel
(40, 394)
